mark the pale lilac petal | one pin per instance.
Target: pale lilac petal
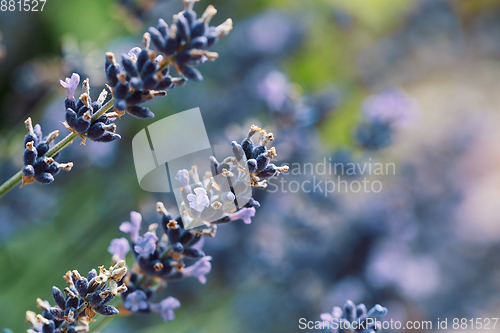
(199, 244)
(245, 214)
(134, 51)
(126, 227)
(146, 245)
(119, 247)
(132, 227)
(70, 84)
(166, 308)
(199, 269)
(183, 177)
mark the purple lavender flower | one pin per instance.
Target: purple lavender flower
(133, 226)
(166, 308)
(183, 177)
(245, 214)
(70, 84)
(134, 51)
(119, 247)
(135, 301)
(146, 245)
(392, 106)
(199, 269)
(198, 201)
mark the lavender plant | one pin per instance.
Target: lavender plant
(160, 259)
(142, 75)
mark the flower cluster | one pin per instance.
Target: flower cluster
(37, 166)
(80, 302)
(383, 115)
(225, 194)
(145, 73)
(158, 261)
(208, 202)
(79, 113)
(353, 318)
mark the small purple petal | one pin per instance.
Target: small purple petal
(70, 84)
(199, 269)
(146, 245)
(166, 308)
(119, 247)
(245, 214)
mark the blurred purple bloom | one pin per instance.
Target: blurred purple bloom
(133, 226)
(183, 177)
(199, 200)
(135, 301)
(199, 269)
(274, 89)
(119, 247)
(166, 308)
(146, 245)
(245, 214)
(392, 106)
(71, 84)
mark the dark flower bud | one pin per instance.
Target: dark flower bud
(247, 146)
(57, 313)
(121, 90)
(251, 165)
(211, 41)
(183, 28)
(349, 311)
(48, 328)
(136, 83)
(198, 29)
(120, 105)
(71, 303)
(199, 42)
(186, 237)
(82, 286)
(177, 248)
(191, 73)
(29, 171)
(142, 58)
(193, 253)
(163, 27)
(82, 124)
(140, 112)
(106, 310)
(95, 298)
(157, 38)
(173, 231)
(44, 178)
(262, 161)
(149, 68)
(92, 274)
(171, 46)
(69, 104)
(258, 151)
(111, 75)
(58, 297)
(30, 154)
(108, 137)
(71, 118)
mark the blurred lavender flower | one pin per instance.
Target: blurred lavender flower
(245, 214)
(166, 308)
(383, 114)
(199, 269)
(146, 245)
(119, 247)
(71, 84)
(136, 301)
(133, 226)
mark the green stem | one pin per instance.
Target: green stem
(14, 180)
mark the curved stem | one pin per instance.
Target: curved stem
(14, 180)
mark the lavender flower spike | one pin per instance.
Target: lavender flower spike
(166, 308)
(133, 226)
(199, 269)
(146, 245)
(119, 247)
(71, 84)
(245, 214)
